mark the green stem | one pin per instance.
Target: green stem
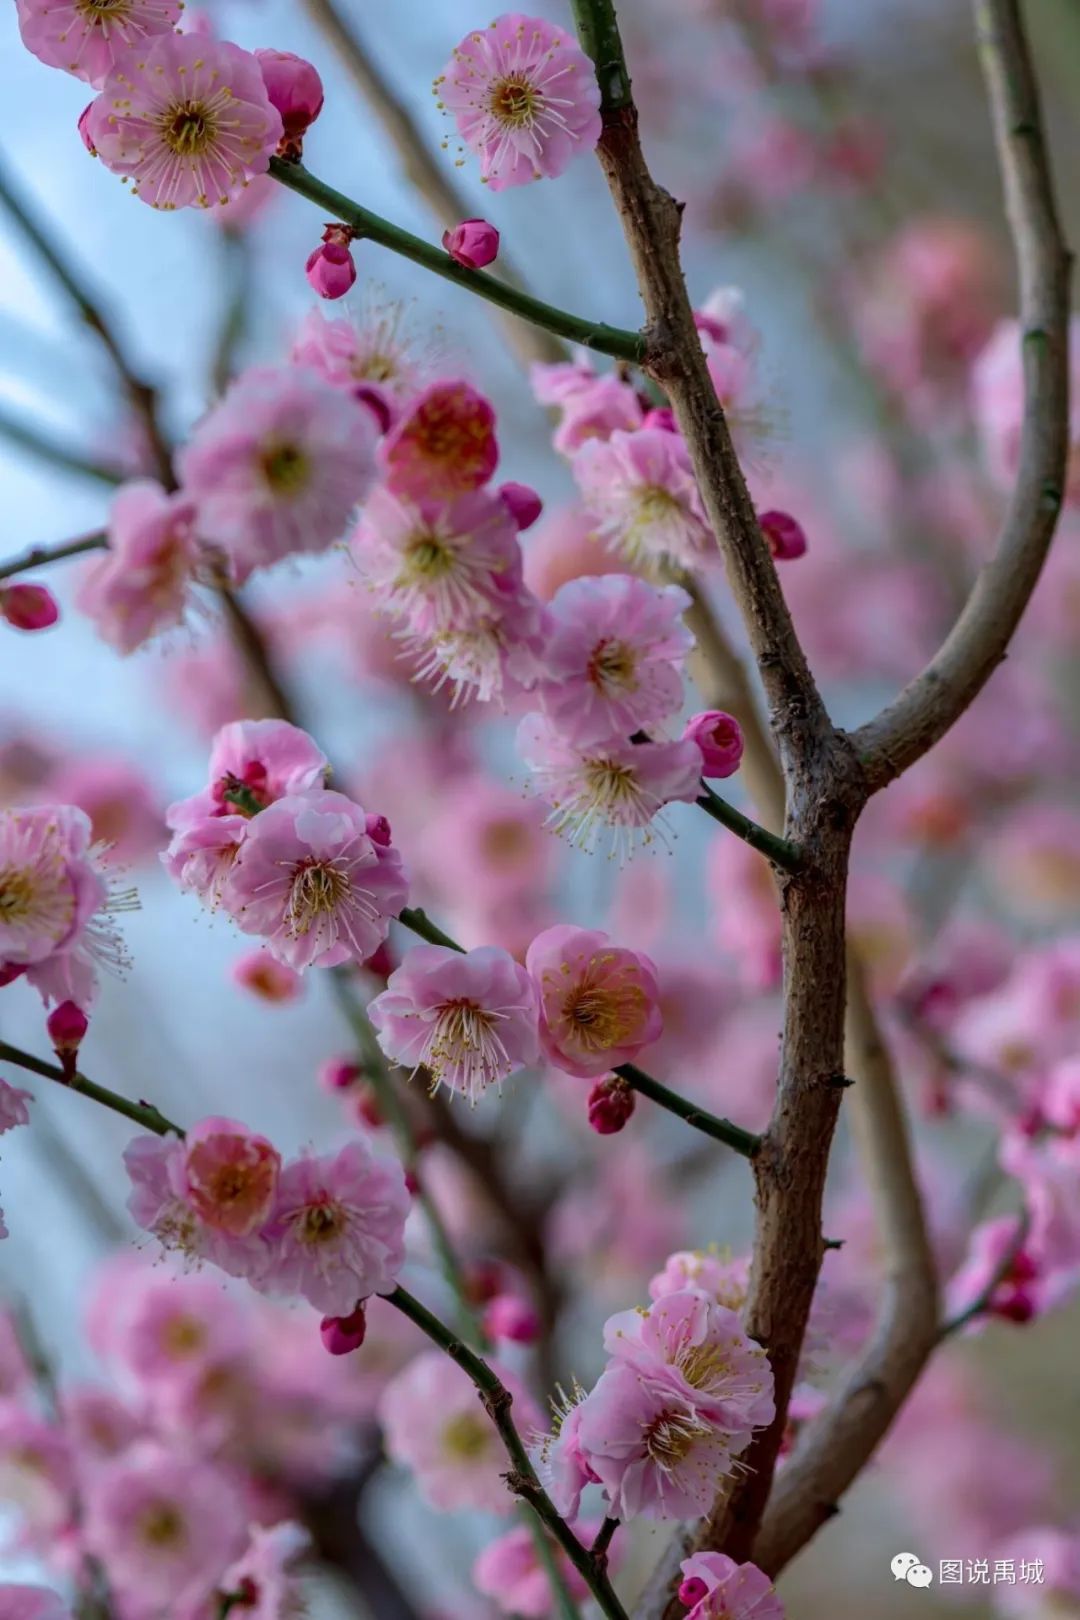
(42, 556)
(377, 1071)
(40, 442)
(598, 30)
(721, 1130)
(545, 1552)
(522, 1479)
(142, 1113)
(622, 345)
(778, 850)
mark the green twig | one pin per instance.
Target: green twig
(142, 1113)
(622, 345)
(42, 556)
(598, 30)
(778, 850)
(545, 1552)
(522, 1479)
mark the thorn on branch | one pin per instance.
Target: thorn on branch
(840, 1082)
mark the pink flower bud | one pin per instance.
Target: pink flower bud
(378, 830)
(381, 962)
(511, 1318)
(84, 130)
(339, 1074)
(720, 739)
(611, 1103)
(331, 270)
(412, 1183)
(692, 1591)
(785, 537)
(295, 89)
(341, 1335)
(28, 607)
(366, 1105)
(661, 416)
(473, 243)
(523, 504)
(9, 972)
(376, 401)
(67, 1024)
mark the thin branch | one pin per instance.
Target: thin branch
(42, 556)
(422, 168)
(545, 1551)
(141, 395)
(40, 442)
(985, 1299)
(604, 1536)
(778, 850)
(142, 1113)
(253, 648)
(597, 335)
(975, 646)
(721, 1130)
(522, 1479)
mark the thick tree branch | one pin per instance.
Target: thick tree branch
(977, 643)
(421, 167)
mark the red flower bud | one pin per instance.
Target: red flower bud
(720, 739)
(785, 536)
(473, 243)
(331, 270)
(295, 89)
(611, 1103)
(341, 1335)
(523, 504)
(508, 1317)
(28, 607)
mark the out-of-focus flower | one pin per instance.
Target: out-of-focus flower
(598, 1002)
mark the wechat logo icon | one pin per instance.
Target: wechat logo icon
(908, 1567)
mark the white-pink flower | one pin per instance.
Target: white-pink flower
(337, 1232)
(86, 37)
(160, 1202)
(313, 882)
(468, 1018)
(141, 585)
(435, 1425)
(278, 466)
(187, 119)
(714, 1587)
(616, 786)
(376, 356)
(524, 97)
(599, 1003)
(613, 657)
(640, 487)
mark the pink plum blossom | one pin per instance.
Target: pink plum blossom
(13, 1109)
(590, 406)
(337, 1231)
(524, 97)
(124, 809)
(474, 243)
(641, 490)
(159, 1202)
(512, 1574)
(277, 467)
(54, 904)
(31, 1603)
(620, 786)
(435, 1425)
(142, 584)
(566, 546)
(598, 1002)
(374, 356)
(613, 657)
(36, 1471)
(89, 40)
(469, 1019)
(714, 1587)
(720, 1278)
(264, 1576)
(698, 1350)
(267, 978)
(230, 1175)
(313, 883)
(998, 1257)
(186, 119)
(176, 1326)
(443, 444)
(160, 1523)
(331, 269)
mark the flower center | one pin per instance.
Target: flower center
(286, 468)
(505, 840)
(602, 1016)
(320, 1223)
(514, 101)
(99, 10)
(655, 504)
(162, 1526)
(613, 788)
(704, 1365)
(613, 663)
(184, 1336)
(427, 558)
(16, 895)
(670, 1438)
(318, 889)
(465, 1437)
(189, 128)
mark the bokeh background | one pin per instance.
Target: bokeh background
(798, 180)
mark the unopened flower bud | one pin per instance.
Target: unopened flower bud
(28, 607)
(378, 830)
(295, 89)
(381, 963)
(511, 1318)
(67, 1024)
(341, 1335)
(473, 243)
(785, 536)
(692, 1591)
(339, 1074)
(720, 739)
(611, 1103)
(484, 1281)
(331, 270)
(523, 504)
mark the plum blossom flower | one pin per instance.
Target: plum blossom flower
(277, 466)
(524, 97)
(613, 657)
(998, 1256)
(187, 119)
(589, 406)
(618, 785)
(686, 1343)
(13, 1109)
(469, 1019)
(375, 356)
(641, 490)
(263, 1576)
(174, 1327)
(230, 1175)
(54, 904)
(337, 1231)
(435, 1425)
(598, 1002)
(311, 880)
(512, 1574)
(443, 444)
(558, 1457)
(161, 1523)
(31, 1603)
(35, 1471)
(654, 1454)
(716, 1588)
(141, 585)
(87, 37)
(721, 1278)
(264, 976)
(159, 1202)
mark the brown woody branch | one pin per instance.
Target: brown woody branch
(977, 643)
